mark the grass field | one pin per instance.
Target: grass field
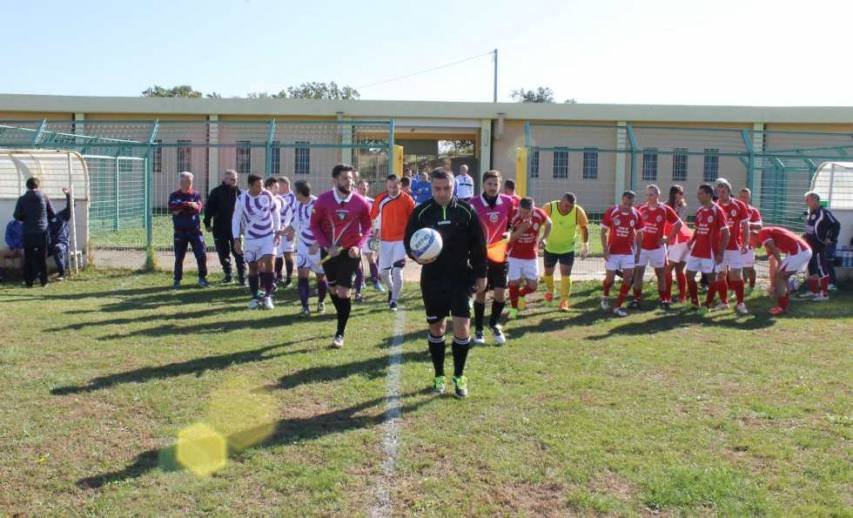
(580, 414)
(162, 232)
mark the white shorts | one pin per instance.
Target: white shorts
(389, 253)
(797, 262)
(254, 249)
(523, 268)
(747, 260)
(677, 253)
(620, 262)
(732, 259)
(656, 258)
(286, 246)
(365, 248)
(701, 264)
(304, 259)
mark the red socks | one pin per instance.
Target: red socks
(712, 289)
(513, 295)
(623, 292)
(682, 284)
(723, 291)
(824, 285)
(738, 287)
(783, 301)
(694, 290)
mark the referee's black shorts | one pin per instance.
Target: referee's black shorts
(496, 274)
(446, 299)
(339, 270)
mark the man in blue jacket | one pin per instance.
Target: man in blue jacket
(185, 205)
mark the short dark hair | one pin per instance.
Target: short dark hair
(341, 168)
(302, 187)
(253, 179)
(391, 177)
(405, 181)
(269, 181)
(492, 173)
(630, 194)
(526, 203)
(569, 197)
(706, 187)
(509, 184)
(32, 183)
(439, 173)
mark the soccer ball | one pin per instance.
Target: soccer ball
(425, 244)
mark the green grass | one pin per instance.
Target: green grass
(580, 414)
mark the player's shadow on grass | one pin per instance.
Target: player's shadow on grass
(186, 315)
(284, 431)
(195, 366)
(370, 368)
(685, 317)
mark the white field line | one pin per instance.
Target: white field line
(391, 436)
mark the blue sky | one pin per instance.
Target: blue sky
(653, 51)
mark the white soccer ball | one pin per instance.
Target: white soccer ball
(426, 244)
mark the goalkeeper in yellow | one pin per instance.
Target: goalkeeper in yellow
(566, 218)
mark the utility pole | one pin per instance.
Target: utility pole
(495, 80)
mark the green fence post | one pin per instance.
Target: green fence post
(116, 192)
(39, 132)
(149, 205)
(270, 137)
(632, 141)
(390, 162)
(750, 161)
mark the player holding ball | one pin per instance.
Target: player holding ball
(452, 272)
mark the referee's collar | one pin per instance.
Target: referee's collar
(499, 201)
(339, 199)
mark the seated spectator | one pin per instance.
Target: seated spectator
(58, 226)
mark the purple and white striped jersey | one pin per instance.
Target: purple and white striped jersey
(285, 209)
(302, 221)
(256, 216)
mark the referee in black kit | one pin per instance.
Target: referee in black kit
(449, 281)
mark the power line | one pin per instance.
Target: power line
(425, 70)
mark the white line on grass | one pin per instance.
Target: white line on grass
(391, 434)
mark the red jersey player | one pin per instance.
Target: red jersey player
(677, 250)
(710, 238)
(621, 234)
(660, 226)
(528, 224)
(755, 223)
(798, 253)
(737, 219)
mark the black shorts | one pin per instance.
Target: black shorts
(496, 274)
(339, 270)
(551, 259)
(441, 301)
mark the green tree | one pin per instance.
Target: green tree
(318, 90)
(175, 91)
(542, 94)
